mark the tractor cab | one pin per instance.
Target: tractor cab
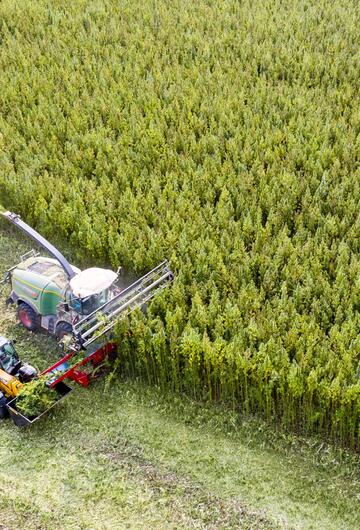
(9, 359)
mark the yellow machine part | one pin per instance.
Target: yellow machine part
(9, 385)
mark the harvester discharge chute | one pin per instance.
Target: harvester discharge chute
(40, 240)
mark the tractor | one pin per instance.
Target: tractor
(13, 374)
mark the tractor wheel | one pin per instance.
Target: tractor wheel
(28, 317)
(62, 329)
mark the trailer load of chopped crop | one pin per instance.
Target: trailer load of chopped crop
(35, 398)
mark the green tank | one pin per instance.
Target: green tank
(40, 288)
(39, 285)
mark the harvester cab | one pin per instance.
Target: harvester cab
(90, 289)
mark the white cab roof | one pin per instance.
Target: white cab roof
(92, 281)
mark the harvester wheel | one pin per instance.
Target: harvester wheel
(28, 317)
(62, 329)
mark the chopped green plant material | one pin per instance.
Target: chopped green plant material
(35, 397)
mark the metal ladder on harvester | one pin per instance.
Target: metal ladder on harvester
(101, 321)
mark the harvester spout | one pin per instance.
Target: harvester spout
(40, 240)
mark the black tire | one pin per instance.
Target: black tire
(28, 317)
(4, 413)
(62, 329)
